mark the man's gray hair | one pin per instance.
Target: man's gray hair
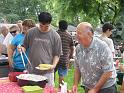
(88, 26)
(3, 28)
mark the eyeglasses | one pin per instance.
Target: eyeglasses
(13, 31)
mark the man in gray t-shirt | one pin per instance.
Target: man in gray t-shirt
(44, 46)
(93, 62)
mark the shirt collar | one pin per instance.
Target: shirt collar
(2, 35)
(92, 44)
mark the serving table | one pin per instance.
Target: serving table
(12, 87)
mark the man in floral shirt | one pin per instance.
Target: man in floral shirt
(93, 62)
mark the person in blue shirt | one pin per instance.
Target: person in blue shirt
(14, 57)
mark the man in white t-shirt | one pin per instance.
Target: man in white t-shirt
(12, 32)
(107, 31)
(3, 33)
(4, 30)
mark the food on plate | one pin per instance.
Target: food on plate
(45, 65)
(31, 77)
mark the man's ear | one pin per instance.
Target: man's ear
(108, 30)
(90, 34)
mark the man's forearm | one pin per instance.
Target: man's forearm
(77, 76)
(55, 60)
(105, 76)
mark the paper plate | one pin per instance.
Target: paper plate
(42, 68)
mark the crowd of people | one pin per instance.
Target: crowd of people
(93, 64)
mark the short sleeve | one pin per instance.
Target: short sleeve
(107, 59)
(76, 62)
(112, 46)
(7, 39)
(72, 43)
(57, 49)
(26, 41)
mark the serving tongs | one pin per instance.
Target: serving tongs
(22, 52)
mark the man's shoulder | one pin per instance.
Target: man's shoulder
(110, 40)
(68, 34)
(33, 29)
(54, 33)
(18, 35)
(99, 42)
(77, 48)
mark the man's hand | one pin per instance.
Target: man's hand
(21, 49)
(121, 67)
(92, 91)
(74, 89)
(52, 67)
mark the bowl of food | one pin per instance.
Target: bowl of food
(32, 79)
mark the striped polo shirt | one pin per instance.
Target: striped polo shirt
(67, 42)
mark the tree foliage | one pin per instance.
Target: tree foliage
(21, 9)
(74, 11)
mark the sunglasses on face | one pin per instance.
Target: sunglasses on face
(12, 32)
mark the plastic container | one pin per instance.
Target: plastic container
(13, 76)
(63, 87)
(22, 82)
(30, 82)
(32, 89)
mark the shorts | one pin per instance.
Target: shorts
(62, 72)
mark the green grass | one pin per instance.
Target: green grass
(69, 79)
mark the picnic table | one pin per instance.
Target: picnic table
(9, 87)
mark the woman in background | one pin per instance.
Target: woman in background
(14, 57)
